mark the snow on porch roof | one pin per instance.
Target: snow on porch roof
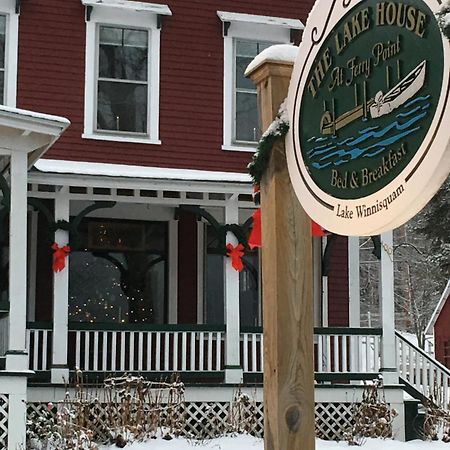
(445, 295)
(128, 171)
(34, 132)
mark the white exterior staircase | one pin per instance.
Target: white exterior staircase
(424, 377)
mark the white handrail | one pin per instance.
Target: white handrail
(426, 375)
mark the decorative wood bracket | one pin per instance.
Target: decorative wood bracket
(72, 226)
(240, 231)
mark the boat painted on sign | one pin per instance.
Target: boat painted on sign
(379, 106)
(400, 93)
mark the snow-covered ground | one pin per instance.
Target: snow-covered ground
(250, 443)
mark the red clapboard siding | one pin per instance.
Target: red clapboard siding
(338, 314)
(51, 79)
(442, 335)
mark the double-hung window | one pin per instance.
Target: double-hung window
(9, 30)
(122, 85)
(245, 36)
(122, 70)
(246, 128)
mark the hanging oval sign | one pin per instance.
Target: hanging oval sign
(369, 142)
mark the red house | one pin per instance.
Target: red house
(130, 211)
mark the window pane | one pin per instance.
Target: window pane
(246, 112)
(246, 48)
(247, 118)
(112, 36)
(214, 280)
(2, 85)
(241, 81)
(2, 41)
(123, 54)
(122, 107)
(248, 291)
(136, 38)
(111, 285)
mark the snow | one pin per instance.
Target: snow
(34, 115)
(279, 52)
(133, 5)
(251, 443)
(281, 119)
(122, 170)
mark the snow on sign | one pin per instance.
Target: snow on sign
(369, 142)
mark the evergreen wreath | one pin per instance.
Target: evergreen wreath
(278, 129)
(443, 18)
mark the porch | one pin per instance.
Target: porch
(196, 351)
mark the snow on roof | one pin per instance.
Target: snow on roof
(445, 295)
(295, 24)
(122, 170)
(279, 52)
(34, 115)
(128, 4)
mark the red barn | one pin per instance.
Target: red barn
(440, 325)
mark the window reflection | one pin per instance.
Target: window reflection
(119, 276)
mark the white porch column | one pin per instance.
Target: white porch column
(233, 369)
(353, 282)
(386, 287)
(59, 369)
(17, 355)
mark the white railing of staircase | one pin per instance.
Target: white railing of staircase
(109, 350)
(426, 375)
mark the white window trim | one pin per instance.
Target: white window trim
(254, 28)
(8, 8)
(135, 15)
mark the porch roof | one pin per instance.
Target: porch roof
(29, 131)
(130, 171)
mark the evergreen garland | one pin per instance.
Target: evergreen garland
(278, 129)
(443, 18)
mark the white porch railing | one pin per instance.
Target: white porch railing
(39, 344)
(337, 350)
(252, 355)
(347, 350)
(426, 375)
(168, 350)
(195, 348)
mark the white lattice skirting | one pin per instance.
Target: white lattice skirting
(4, 402)
(203, 420)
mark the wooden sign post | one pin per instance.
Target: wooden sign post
(287, 287)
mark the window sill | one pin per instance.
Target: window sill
(117, 138)
(239, 148)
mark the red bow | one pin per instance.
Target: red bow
(236, 254)
(317, 230)
(59, 257)
(254, 240)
